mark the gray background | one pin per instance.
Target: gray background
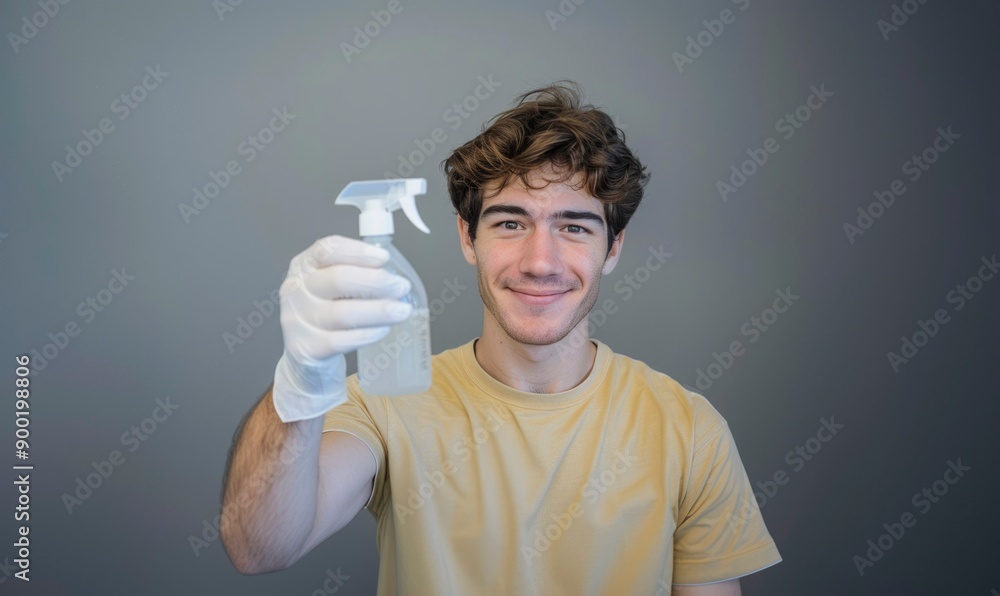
(164, 334)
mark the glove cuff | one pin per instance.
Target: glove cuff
(304, 392)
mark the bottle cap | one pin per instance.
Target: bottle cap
(378, 199)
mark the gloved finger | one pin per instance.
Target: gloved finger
(331, 315)
(350, 281)
(318, 347)
(336, 249)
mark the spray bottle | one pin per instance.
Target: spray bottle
(399, 363)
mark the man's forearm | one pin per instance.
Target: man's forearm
(270, 490)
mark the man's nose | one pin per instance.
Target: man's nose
(541, 257)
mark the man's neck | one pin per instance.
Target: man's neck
(536, 369)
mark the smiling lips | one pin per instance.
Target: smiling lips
(538, 297)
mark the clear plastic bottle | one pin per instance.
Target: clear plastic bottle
(399, 363)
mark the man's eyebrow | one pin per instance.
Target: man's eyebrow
(584, 215)
(508, 209)
(565, 214)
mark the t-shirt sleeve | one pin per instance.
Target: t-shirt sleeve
(720, 533)
(363, 416)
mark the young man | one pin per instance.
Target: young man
(539, 461)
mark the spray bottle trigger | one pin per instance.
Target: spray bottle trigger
(409, 205)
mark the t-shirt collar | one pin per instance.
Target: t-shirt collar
(540, 401)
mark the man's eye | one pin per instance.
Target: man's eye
(574, 229)
(508, 225)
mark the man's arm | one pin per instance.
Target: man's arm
(289, 487)
(727, 588)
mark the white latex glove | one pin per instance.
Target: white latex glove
(335, 299)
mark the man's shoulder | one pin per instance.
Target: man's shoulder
(664, 389)
(627, 368)
(451, 361)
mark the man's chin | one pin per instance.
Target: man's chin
(538, 335)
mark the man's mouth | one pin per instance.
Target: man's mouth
(537, 297)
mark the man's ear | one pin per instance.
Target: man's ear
(616, 251)
(463, 238)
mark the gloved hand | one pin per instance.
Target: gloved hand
(335, 298)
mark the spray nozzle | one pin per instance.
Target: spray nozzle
(377, 199)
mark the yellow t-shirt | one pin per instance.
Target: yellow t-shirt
(625, 484)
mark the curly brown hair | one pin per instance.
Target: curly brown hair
(548, 126)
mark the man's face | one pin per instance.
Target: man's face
(539, 255)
